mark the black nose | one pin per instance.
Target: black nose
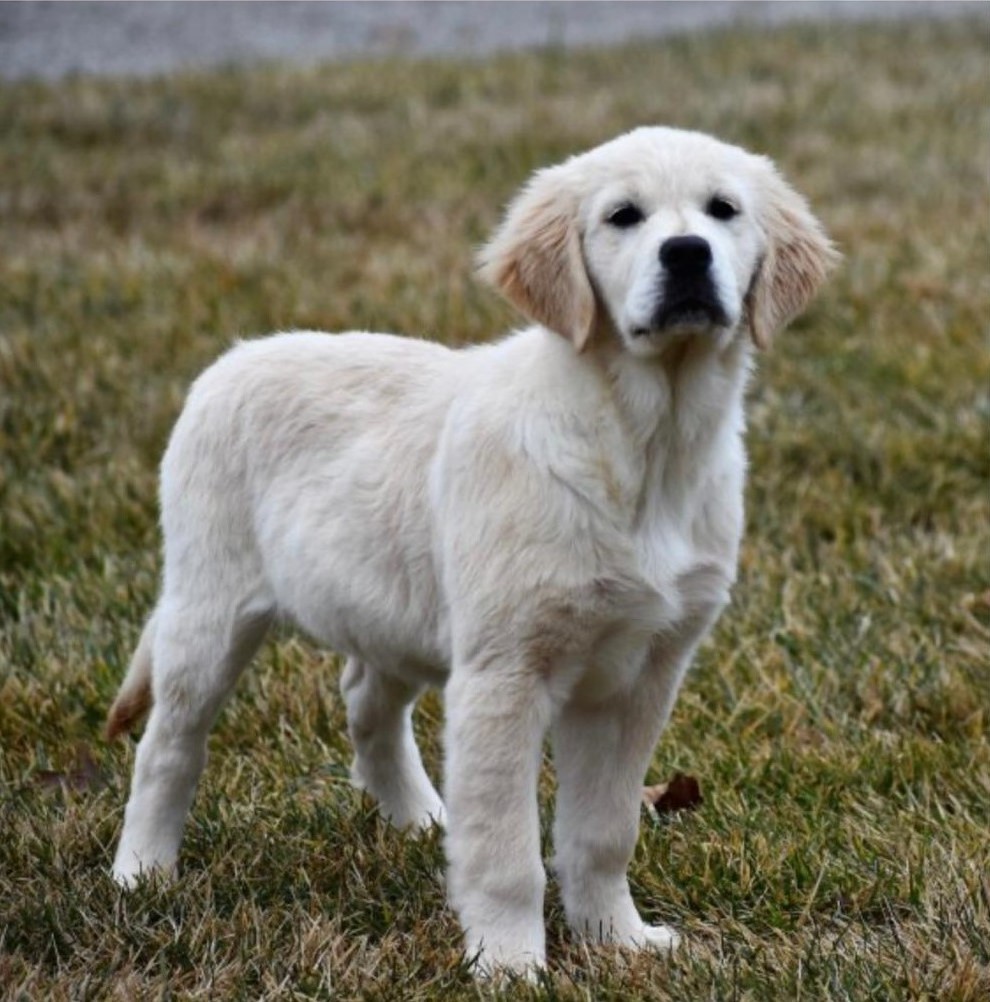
(686, 255)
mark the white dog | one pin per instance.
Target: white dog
(546, 526)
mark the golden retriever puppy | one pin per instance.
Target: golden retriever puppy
(546, 526)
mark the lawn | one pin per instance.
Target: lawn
(837, 719)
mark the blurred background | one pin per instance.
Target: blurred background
(52, 40)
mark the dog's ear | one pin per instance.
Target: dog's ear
(798, 257)
(535, 259)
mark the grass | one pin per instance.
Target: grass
(837, 720)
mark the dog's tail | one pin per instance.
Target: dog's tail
(134, 698)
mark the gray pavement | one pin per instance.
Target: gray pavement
(54, 40)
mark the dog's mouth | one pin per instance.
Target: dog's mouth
(694, 309)
(685, 315)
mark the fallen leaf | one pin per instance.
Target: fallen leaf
(85, 774)
(681, 793)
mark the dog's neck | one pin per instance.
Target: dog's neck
(686, 393)
(667, 424)
(681, 409)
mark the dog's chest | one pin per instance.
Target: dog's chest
(688, 521)
(683, 522)
(685, 555)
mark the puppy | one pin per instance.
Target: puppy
(546, 526)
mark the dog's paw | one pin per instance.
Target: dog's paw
(127, 876)
(409, 804)
(633, 934)
(510, 962)
(414, 817)
(427, 817)
(510, 946)
(656, 937)
(126, 879)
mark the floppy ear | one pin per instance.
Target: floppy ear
(798, 257)
(535, 260)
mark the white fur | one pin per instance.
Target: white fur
(547, 526)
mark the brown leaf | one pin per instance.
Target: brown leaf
(682, 793)
(85, 774)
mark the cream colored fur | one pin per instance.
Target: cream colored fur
(546, 526)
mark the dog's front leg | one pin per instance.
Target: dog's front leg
(496, 718)
(601, 752)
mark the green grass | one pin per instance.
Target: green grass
(836, 720)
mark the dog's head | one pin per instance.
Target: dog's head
(659, 234)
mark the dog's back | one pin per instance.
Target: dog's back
(308, 456)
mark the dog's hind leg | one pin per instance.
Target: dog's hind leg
(199, 650)
(387, 762)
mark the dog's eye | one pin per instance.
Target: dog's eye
(625, 216)
(721, 208)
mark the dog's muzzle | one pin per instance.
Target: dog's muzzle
(688, 301)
